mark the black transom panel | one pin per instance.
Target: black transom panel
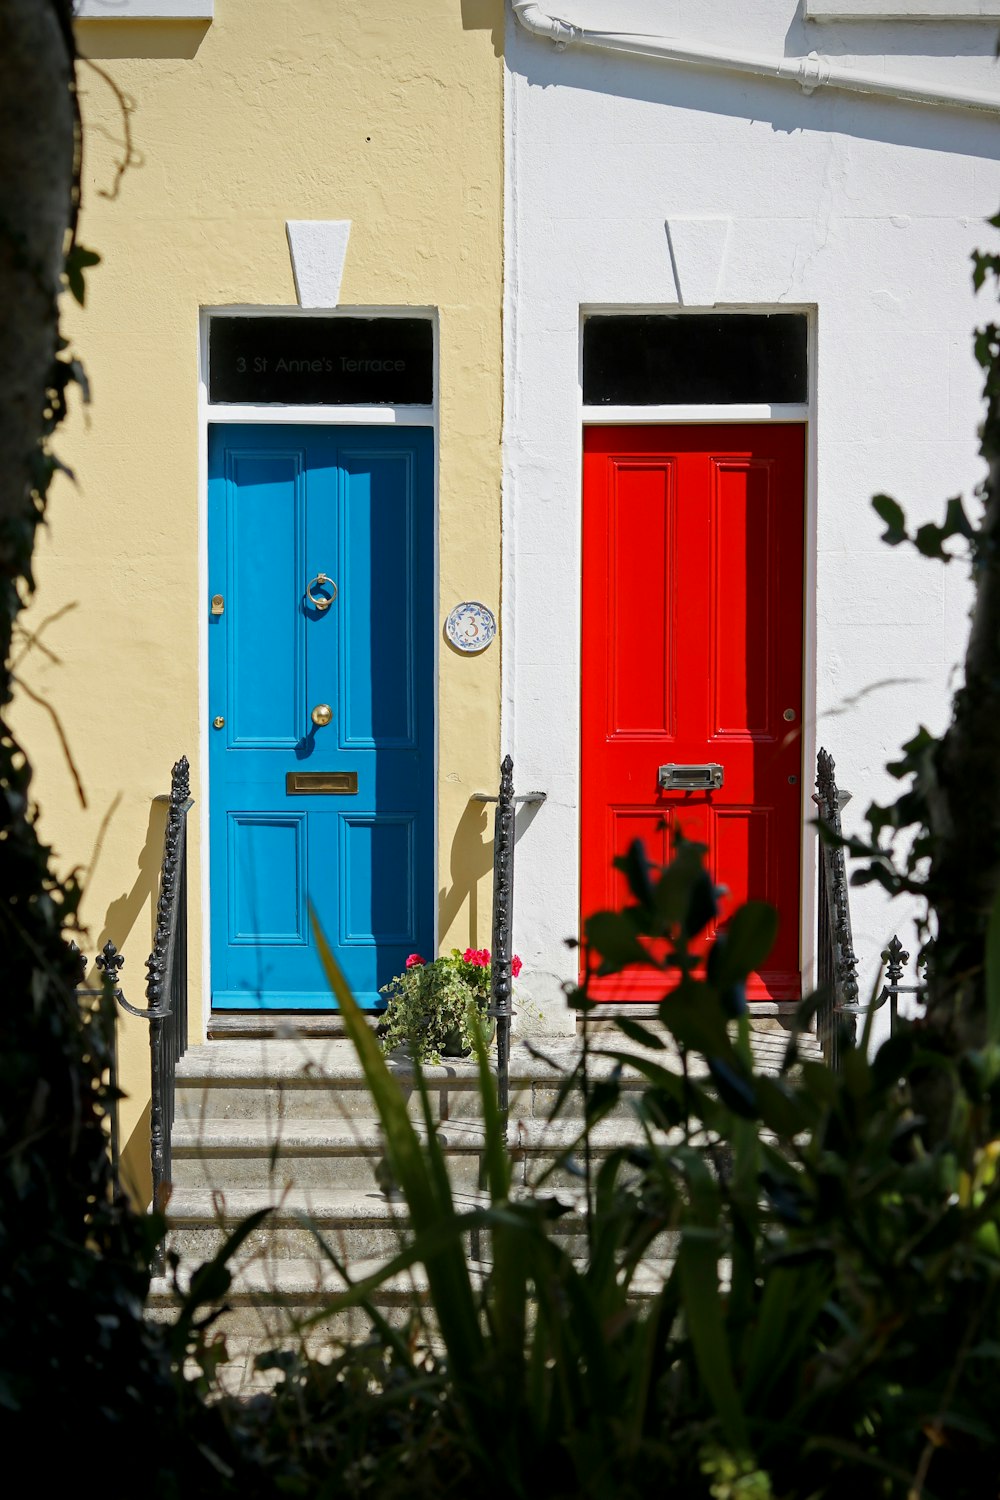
(670, 359)
(321, 361)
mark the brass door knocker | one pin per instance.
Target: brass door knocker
(321, 580)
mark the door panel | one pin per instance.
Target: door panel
(377, 544)
(265, 495)
(268, 879)
(286, 504)
(692, 653)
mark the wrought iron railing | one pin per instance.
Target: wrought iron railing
(836, 1019)
(166, 1007)
(836, 963)
(895, 958)
(501, 1008)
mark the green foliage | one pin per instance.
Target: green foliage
(432, 1008)
(73, 1257)
(939, 839)
(781, 1291)
(84, 1379)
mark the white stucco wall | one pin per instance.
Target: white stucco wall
(864, 212)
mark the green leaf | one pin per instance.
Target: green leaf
(792, 1301)
(748, 938)
(697, 1269)
(779, 1108)
(735, 1090)
(635, 866)
(420, 1173)
(685, 1094)
(672, 897)
(636, 1032)
(702, 906)
(695, 1017)
(614, 937)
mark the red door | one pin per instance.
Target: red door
(692, 657)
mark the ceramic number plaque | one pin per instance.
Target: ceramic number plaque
(470, 626)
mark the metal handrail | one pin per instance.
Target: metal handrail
(166, 1008)
(837, 963)
(501, 952)
(501, 1007)
(895, 958)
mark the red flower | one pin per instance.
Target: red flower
(515, 966)
(414, 961)
(479, 957)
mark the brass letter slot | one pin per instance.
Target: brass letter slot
(707, 778)
(321, 783)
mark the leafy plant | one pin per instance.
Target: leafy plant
(940, 837)
(434, 1007)
(783, 1291)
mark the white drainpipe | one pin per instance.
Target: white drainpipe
(810, 73)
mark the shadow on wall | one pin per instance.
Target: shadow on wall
(124, 911)
(485, 15)
(136, 1170)
(951, 37)
(122, 38)
(120, 919)
(782, 105)
(471, 859)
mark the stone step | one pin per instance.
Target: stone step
(306, 1285)
(278, 1079)
(240, 1024)
(288, 1123)
(358, 1225)
(224, 1154)
(280, 1304)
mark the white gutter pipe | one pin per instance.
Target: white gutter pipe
(810, 73)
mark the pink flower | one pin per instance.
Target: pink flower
(480, 957)
(516, 966)
(414, 961)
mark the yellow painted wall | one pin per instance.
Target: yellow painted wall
(384, 112)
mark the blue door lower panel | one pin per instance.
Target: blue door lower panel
(286, 505)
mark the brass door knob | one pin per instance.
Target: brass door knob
(321, 715)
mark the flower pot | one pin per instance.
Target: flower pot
(452, 1044)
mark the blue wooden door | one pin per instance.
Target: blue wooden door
(338, 815)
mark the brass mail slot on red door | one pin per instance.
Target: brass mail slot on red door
(321, 783)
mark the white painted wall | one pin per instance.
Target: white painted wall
(864, 210)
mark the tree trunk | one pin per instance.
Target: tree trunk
(36, 209)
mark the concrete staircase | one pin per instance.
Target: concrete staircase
(286, 1123)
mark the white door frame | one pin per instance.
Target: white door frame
(271, 413)
(757, 413)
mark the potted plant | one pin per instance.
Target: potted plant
(432, 1005)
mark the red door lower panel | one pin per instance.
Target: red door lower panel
(692, 655)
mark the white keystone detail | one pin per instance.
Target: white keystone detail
(698, 254)
(318, 249)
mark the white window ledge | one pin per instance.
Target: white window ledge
(145, 10)
(902, 10)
